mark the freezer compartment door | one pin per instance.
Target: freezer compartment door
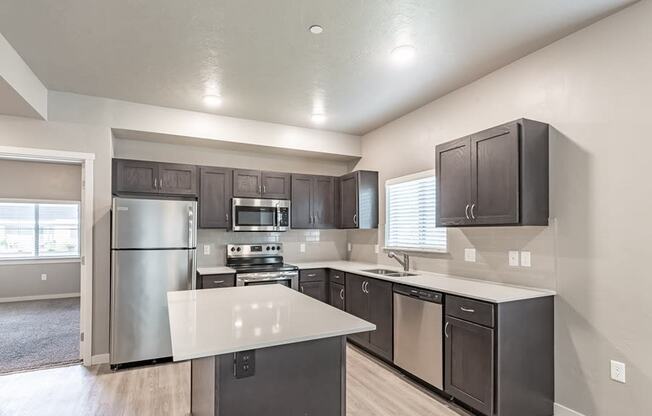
(140, 280)
(153, 223)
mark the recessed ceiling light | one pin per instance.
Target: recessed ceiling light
(318, 118)
(211, 100)
(315, 29)
(403, 54)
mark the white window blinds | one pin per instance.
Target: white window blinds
(410, 209)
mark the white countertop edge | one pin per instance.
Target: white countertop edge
(214, 270)
(257, 346)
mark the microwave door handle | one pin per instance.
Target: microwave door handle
(278, 217)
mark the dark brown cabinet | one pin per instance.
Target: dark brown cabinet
(495, 177)
(371, 299)
(314, 283)
(212, 281)
(359, 200)
(337, 295)
(257, 184)
(313, 201)
(145, 177)
(215, 197)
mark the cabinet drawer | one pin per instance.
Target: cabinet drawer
(470, 310)
(336, 276)
(312, 275)
(212, 281)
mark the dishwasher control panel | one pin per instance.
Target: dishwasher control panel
(423, 294)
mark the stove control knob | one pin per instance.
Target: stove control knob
(278, 247)
(267, 248)
(273, 248)
(232, 248)
(239, 249)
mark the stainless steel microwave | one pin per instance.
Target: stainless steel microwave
(260, 214)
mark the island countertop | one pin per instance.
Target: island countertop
(211, 322)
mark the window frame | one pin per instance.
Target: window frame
(44, 259)
(403, 179)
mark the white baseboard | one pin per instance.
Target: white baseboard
(100, 359)
(40, 297)
(561, 410)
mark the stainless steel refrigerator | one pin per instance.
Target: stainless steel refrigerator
(153, 251)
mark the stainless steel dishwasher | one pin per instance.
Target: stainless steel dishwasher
(418, 345)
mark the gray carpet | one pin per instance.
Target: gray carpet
(38, 334)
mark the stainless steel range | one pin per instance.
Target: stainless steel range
(261, 264)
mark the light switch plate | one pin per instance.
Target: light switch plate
(376, 249)
(44, 276)
(207, 249)
(513, 258)
(348, 246)
(469, 254)
(618, 371)
(526, 260)
(302, 247)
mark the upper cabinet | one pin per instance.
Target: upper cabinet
(358, 197)
(314, 202)
(495, 177)
(144, 177)
(257, 184)
(215, 190)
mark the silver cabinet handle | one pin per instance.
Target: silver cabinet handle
(446, 329)
(155, 187)
(472, 208)
(218, 281)
(227, 217)
(311, 275)
(363, 291)
(264, 189)
(301, 288)
(355, 219)
(467, 309)
(466, 211)
(342, 294)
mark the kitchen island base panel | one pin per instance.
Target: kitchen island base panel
(305, 378)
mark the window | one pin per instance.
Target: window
(34, 230)
(410, 209)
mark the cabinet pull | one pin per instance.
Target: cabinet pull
(312, 274)
(446, 329)
(155, 183)
(355, 219)
(342, 294)
(365, 287)
(466, 211)
(217, 282)
(264, 189)
(363, 291)
(472, 208)
(301, 288)
(467, 309)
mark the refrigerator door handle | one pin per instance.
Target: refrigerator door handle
(192, 264)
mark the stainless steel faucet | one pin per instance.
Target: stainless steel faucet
(405, 262)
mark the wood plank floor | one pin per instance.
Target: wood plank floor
(373, 389)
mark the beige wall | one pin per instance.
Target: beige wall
(594, 88)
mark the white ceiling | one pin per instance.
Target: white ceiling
(264, 62)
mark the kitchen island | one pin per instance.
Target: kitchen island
(262, 350)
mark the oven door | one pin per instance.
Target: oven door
(260, 214)
(289, 279)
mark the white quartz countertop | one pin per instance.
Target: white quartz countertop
(454, 285)
(215, 270)
(219, 321)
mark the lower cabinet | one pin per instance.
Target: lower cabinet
(212, 281)
(337, 295)
(314, 283)
(371, 300)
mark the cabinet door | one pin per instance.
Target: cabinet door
(469, 363)
(381, 314)
(214, 197)
(213, 281)
(357, 303)
(247, 183)
(453, 171)
(315, 290)
(323, 202)
(495, 176)
(301, 201)
(135, 176)
(276, 185)
(349, 201)
(177, 179)
(337, 296)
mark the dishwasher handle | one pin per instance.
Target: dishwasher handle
(421, 294)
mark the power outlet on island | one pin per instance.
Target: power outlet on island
(244, 364)
(618, 370)
(469, 255)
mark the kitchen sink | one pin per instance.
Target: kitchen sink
(391, 273)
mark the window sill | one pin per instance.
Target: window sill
(417, 250)
(53, 260)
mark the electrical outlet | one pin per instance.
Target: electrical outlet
(526, 260)
(348, 246)
(207, 249)
(44, 276)
(376, 249)
(618, 371)
(302, 247)
(244, 364)
(513, 258)
(469, 254)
